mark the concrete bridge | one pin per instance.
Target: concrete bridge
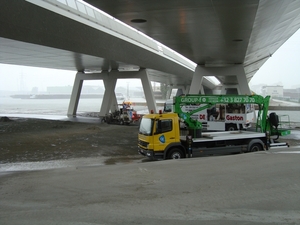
(179, 44)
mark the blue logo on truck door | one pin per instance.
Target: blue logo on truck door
(162, 139)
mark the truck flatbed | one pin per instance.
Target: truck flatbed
(226, 135)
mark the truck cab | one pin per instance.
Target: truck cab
(157, 134)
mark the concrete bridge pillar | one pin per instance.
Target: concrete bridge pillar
(151, 103)
(109, 93)
(75, 95)
(244, 88)
(196, 85)
(109, 101)
(238, 83)
(182, 90)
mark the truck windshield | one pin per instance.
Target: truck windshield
(146, 126)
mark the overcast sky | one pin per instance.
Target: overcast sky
(282, 68)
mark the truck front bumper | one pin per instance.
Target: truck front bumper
(151, 154)
(144, 152)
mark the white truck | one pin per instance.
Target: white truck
(219, 117)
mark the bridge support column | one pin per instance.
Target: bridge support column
(73, 104)
(241, 87)
(237, 83)
(196, 85)
(182, 90)
(244, 88)
(75, 96)
(109, 101)
(230, 89)
(151, 103)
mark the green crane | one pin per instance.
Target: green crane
(263, 124)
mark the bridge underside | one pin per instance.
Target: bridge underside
(230, 40)
(110, 78)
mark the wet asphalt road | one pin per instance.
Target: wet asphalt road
(252, 188)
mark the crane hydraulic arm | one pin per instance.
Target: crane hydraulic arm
(206, 101)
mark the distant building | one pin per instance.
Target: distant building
(280, 93)
(292, 93)
(273, 91)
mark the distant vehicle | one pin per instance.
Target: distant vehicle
(125, 115)
(119, 116)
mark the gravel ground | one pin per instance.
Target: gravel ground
(30, 140)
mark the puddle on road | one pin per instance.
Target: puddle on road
(54, 164)
(68, 163)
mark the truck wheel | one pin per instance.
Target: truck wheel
(175, 153)
(231, 127)
(255, 148)
(121, 122)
